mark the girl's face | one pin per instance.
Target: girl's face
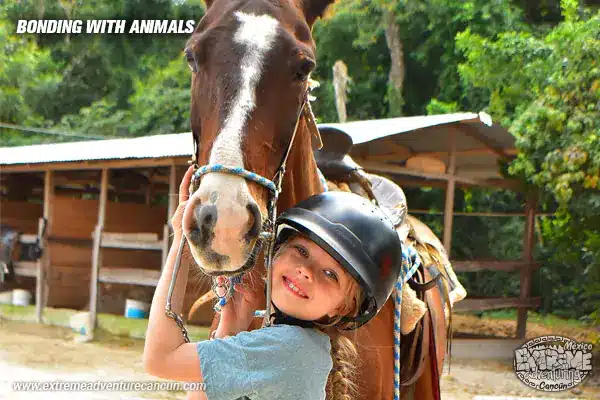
(308, 283)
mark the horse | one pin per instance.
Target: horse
(251, 63)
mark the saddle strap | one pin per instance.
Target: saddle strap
(425, 327)
(419, 340)
(423, 287)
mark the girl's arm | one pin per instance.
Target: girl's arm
(166, 355)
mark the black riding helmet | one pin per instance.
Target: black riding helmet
(358, 235)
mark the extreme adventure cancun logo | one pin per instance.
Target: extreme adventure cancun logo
(553, 363)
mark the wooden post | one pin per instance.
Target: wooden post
(451, 185)
(149, 187)
(173, 192)
(340, 86)
(43, 263)
(96, 253)
(526, 272)
(165, 245)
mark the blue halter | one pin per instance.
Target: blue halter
(252, 176)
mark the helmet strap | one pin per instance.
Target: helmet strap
(281, 318)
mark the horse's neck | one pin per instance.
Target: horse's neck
(301, 179)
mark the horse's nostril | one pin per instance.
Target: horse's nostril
(255, 222)
(206, 216)
(195, 235)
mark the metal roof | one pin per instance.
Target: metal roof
(369, 130)
(480, 144)
(157, 146)
(372, 130)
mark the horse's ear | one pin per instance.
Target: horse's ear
(314, 9)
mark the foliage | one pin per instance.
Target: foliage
(546, 89)
(108, 85)
(427, 29)
(21, 62)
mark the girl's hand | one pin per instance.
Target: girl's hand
(237, 314)
(184, 195)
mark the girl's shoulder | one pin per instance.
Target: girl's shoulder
(288, 334)
(266, 363)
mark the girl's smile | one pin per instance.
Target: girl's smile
(294, 287)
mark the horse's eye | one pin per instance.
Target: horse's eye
(304, 69)
(191, 60)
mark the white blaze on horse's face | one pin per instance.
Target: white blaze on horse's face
(255, 35)
(228, 218)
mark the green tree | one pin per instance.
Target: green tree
(546, 88)
(105, 83)
(22, 62)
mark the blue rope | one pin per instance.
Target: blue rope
(323, 180)
(410, 263)
(261, 180)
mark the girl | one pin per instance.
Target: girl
(337, 260)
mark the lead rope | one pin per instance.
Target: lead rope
(410, 263)
(168, 309)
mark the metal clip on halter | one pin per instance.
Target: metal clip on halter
(228, 287)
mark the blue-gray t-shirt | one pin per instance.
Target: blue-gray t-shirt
(282, 362)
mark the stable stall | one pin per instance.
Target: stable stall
(28, 220)
(106, 205)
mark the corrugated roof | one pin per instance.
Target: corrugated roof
(369, 130)
(157, 146)
(419, 134)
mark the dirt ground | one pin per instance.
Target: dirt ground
(39, 352)
(465, 325)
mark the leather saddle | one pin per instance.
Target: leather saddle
(333, 159)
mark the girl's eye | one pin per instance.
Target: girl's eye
(330, 274)
(302, 251)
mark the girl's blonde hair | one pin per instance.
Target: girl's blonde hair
(341, 382)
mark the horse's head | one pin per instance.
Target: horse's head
(250, 61)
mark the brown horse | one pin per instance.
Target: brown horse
(251, 61)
